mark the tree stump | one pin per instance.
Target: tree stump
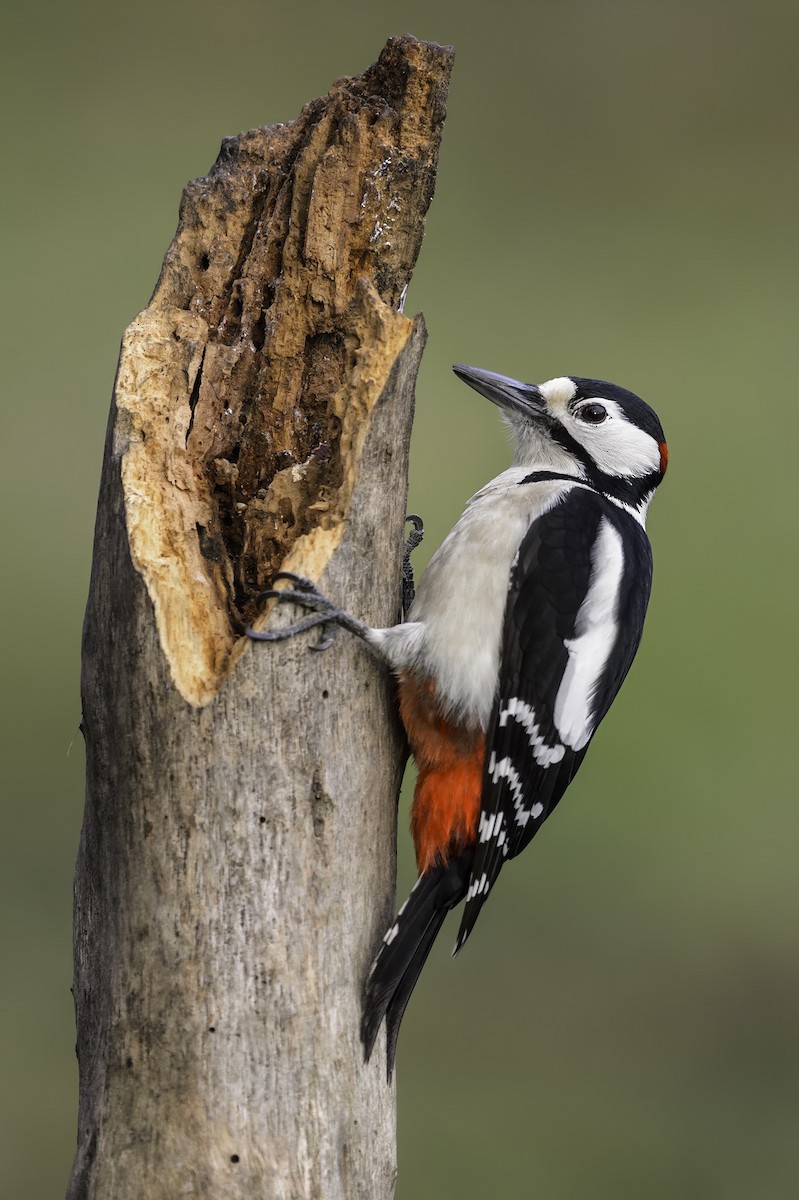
(237, 857)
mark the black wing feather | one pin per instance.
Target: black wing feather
(528, 767)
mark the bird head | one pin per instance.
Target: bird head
(585, 428)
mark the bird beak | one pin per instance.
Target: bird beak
(524, 398)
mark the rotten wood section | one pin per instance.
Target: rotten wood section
(245, 389)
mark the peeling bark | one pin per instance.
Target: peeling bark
(237, 854)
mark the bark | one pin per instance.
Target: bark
(237, 857)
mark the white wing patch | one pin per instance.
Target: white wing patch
(543, 754)
(596, 628)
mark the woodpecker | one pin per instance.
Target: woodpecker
(522, 630)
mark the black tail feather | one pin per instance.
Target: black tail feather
(405, 949)
(399, 1001)
(396, 954)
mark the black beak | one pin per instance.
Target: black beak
(524, 398)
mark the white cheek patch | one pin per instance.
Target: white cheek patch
(616, 446)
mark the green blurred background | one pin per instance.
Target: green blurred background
(616, 197)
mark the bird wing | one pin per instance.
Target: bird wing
(576, 602)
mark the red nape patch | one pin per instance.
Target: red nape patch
(446, 801)
(664, 457)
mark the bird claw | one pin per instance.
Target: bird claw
(417, 533)
(300, 582)
(414, 538)
(329, 635)
(306, 594)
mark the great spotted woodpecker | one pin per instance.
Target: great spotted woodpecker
(522, 630)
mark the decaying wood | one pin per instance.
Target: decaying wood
(236, 863)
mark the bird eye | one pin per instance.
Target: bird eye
(593, 413)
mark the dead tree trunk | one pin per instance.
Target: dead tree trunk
(236, 863)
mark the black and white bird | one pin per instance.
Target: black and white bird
(521, 632)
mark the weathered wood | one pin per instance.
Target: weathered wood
(236, 863)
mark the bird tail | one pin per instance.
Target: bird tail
(405, 948)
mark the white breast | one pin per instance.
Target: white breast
(455, 624)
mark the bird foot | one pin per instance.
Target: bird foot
(323, 612)
(414, 538)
